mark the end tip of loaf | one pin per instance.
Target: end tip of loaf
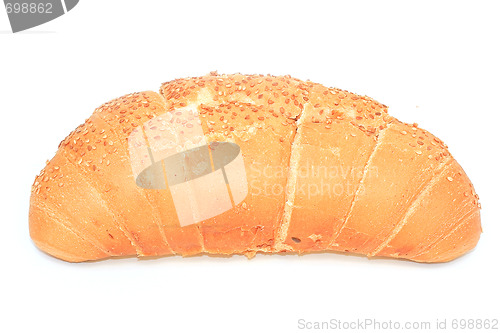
(49, 233)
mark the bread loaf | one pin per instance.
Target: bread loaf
(322, 170)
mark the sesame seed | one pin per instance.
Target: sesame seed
(418, 152)
(449, 178)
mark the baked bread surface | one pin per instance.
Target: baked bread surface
(327, 170)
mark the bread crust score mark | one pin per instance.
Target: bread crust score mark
(157, 221)
(402, 194)
(413, 207)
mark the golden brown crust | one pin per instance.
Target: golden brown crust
(400, 167)
(330, 181)
(326, 169)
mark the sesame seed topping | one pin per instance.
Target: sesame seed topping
(449, 178)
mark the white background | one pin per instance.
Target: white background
(433, 62)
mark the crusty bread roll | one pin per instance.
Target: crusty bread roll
(327, 170)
